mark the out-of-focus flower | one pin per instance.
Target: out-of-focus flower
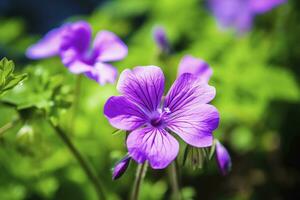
(72, 42)
(140, 110)
(195, 66)
(239, 14)
(223, 158)
(161, 39)
(121, 167)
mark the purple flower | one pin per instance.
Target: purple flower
(196, 66)
(223, 158)
(140, 109)
(161, 39)
(72, 42)
(239, 14)
(121, 167)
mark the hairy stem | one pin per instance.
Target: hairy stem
(140, 174)
(176, 194)
(83, 163)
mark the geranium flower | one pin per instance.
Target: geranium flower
(152, 120)
(72, 42)
(239, 14)
(223, 158)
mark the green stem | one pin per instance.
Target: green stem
(140, 174)
(176, 194)
(7, 126)
(77, 93)
(83, 163)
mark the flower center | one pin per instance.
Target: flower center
(157, 120)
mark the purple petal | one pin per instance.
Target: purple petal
(47, 46)
(103, 73)
(260, 6)
(78, 67)
(188, 91)
(76, 39)
(123, 114)
(223, 158)
(109, 47)
(143, 85)
(121, 167)
(198, 67)
(190, 117)
(154, 145)
(161, 39)
(195, 124)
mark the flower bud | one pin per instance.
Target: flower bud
(161, 39)
(121, 167)
(223, 158)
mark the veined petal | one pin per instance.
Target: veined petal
(154, 145)
(143, 85)
(194, 124)
(223, 158)
(48, 46)
(260, 6)
(196, 66)
(102, 73)
(76, 39)
(109, 47)
(187, 91)
(123, 114)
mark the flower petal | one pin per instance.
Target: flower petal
(195, 124)
(78, 67)
(48, 46)
(76, 38)
(223, 158)
(123, 114)
(260, 6)
(109, 47)
(143, 85)
(153, 145)
(198, 67)
(103, 73)
(187, 91)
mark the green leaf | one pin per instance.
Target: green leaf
(7, 79)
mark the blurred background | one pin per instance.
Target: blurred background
(256, 75)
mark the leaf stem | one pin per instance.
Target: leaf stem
(176, 194)
(140, 174)
(83, 163)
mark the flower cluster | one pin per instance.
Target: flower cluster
(72, 42)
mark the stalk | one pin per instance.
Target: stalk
(176, 194)
(140, 174)
(83, 163)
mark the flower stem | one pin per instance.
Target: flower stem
(77, 93)
(140, 174)
(176, 194)
(83, 163)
